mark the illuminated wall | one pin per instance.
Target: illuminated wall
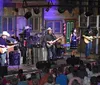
(1, 7)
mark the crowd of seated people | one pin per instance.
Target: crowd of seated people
(81, 74)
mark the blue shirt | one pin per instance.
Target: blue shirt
(61, 79)
(3, 41)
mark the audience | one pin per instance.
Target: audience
(75, 77)
(75, 82)
(89, 70)
(98, 80)
(20, 74)
(61, 78)
(1, 81)
(44, 77)
(70, 70)
(50, 81)
(93, 80)
(81, 74)
(14, 81)
(29, 79)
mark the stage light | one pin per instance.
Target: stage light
(61, 10)
(28, 15)
(36, 10)
(47, 9)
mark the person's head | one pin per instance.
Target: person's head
(70, 69)
(93, 80)
(75, 82)
(14, 81)
(82, 68)
(75, 73)
(49, 30)
(20, 71)
(60, 70)
(73, 30)
(95, 69)
(88, 65)
(89, 31)
(50, 79)
(5, 34)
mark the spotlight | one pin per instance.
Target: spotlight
(47, 9)
(36, 10)
(61, 10)
(28, 15)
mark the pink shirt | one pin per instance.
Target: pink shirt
(75, 78)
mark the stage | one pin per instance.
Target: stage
(27, 68)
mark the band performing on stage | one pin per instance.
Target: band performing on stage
(28, 47)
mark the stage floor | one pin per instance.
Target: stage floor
(61, 60)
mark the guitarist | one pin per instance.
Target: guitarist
(49, 37)
(88, 45)
(3, 44)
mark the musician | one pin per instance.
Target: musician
(3, 44)
(74, 41)
(88, 47)
(51, 54)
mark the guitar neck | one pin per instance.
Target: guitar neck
(56, 40)
(96, 36)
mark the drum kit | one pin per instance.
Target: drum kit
(35, 38)
(36, 41)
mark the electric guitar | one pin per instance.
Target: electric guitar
(50, 43)
(88, 39)
(3, 50)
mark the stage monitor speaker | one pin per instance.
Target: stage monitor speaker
(28, 15)
(43, 64)
(73, 61)
(3, 71)
(14, 58)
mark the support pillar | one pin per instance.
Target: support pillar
(97, 40)
(87, 21)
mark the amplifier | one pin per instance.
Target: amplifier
(14, 58)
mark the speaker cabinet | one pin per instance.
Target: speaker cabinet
(3, 71)
(14, 58)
